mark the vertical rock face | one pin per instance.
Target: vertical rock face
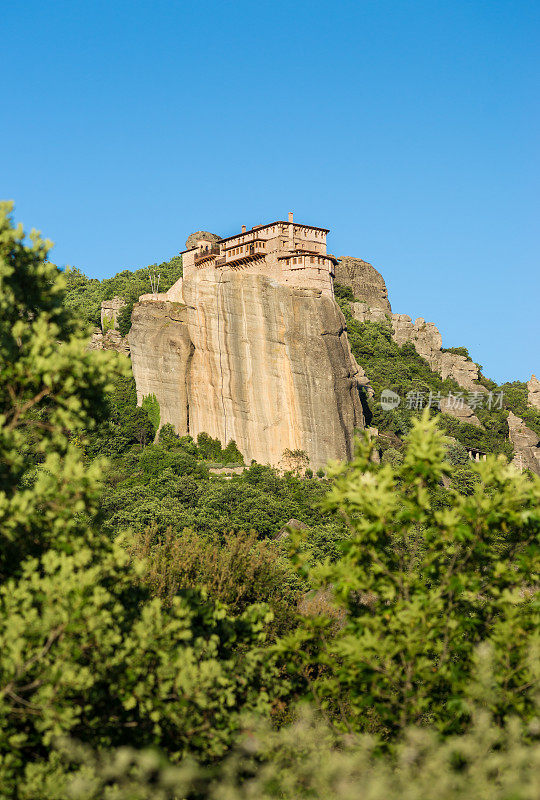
(366, 283)
(533, 389)
(251, 360)
(161, 352)
(461, 411)
(109, 312)
(526, 444)
(363, 313)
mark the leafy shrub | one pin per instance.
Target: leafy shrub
(343, 292)
(458, 351)
(85, 652)
(307, 761)
(238, 570)
(440, 581)
(150, 404)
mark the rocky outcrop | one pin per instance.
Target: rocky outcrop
(161, 352)
(526, 445)
(193, 238)
(109, 313)
(363, 313)
(427, 341)
(251, 360)
(533, 392)
(460, 410)
(110, 340)
(366, 283)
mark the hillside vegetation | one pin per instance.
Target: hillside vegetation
(162, 636)
(83, 296)
(403, 370)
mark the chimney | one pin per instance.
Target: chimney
(290, 216)
(243, 228)
(291, 231)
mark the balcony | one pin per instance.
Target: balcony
(206, 255)
(250, 251)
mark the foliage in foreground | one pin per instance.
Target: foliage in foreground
(85, 650)
(420, 587)
(306, 761)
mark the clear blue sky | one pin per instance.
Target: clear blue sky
(411, 129)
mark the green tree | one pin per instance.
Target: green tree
(150, 404)
(421, 586)
(85, 651)
(50, 385)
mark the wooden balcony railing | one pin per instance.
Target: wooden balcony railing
(210, 252)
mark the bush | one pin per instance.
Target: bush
(421, 586)
(306, 761)
(343, 292)
(238, 570)
(150, 404)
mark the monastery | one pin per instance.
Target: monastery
(292, 254)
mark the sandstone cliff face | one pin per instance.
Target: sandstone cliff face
(526, 445)
(161, 352)
(461, 411)
(427, 340)
(247, 359)
(366, 282)
(533, 390)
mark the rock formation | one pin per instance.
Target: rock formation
(248, 359)
(110, 340)
(365, 282)
(363, 313)
(109, 312)
(372, 305)
(460, 410)
(526, 445)
(193, 238)
(533, 389)
(427, 341)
